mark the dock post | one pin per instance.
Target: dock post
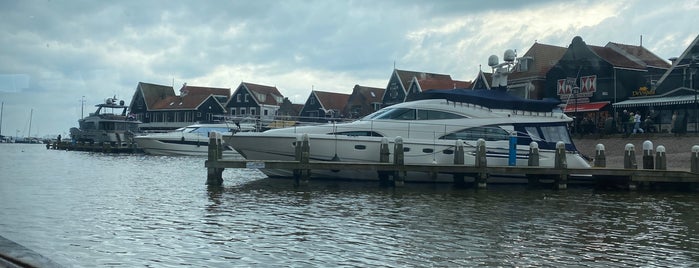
(481, 164)
(512, 156)
(303, 152)
(648, 155)
(533, 161)
(384, 157)
(600, 156)
(561, 163)
(695, 159)
(459, 160)
(214, 176)
(630, 163)
(398, 161)
(630, 157)
(660, 158)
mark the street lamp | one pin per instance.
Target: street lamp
(82, 107)
(692, 71)
(575, 97)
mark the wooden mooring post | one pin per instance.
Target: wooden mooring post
(214, 176)
(481, 164)
(533, 161)
(648, 161)
(303, 153)
(384, 157)
(399, 161)
(561, 164)
(459, 160)
(629, 176)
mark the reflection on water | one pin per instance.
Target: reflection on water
(85, 209)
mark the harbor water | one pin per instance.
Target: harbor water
(84, 209)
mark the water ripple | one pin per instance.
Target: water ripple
(88, 209)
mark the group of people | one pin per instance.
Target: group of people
(634, 119)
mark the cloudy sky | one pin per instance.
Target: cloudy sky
(54, 53)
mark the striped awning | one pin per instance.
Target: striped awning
(585, 107)
(661, 101)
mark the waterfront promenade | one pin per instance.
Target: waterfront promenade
(678, 148)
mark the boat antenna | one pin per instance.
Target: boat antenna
(2, 107)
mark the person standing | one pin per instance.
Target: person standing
(624, 122)
(637, 123)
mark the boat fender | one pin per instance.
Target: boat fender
(182, 139)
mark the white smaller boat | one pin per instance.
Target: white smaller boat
(189, 140)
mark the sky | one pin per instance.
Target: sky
(58, 58)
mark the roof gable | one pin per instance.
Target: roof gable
(540, 58)
(187, 102)
(195, 90)
(262, 94)
(691, 54)
(153, 93)
(406, 76)
(331, 100)
(639, 55)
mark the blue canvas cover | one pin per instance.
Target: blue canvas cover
(494, 99)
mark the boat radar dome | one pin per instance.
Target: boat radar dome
(493, 61)
(509, 55)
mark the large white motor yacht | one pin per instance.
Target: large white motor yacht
(430, 126)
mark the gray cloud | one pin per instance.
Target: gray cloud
(54, 52)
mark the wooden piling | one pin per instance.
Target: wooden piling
(648, 162)
(459, 160)
(214, 176)
(660, 158)
(600, 156)
(695, 159)
(399, 162)
(561, 163)
(533, 161)
(384, 157)
(630, 157)
(482, 164)
(303, 152)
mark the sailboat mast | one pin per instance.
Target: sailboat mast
(2, 107)
(31, 114)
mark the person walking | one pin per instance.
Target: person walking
(637, 123)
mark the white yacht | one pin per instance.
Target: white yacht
(108, 124)
(430, 127)
(189, 140)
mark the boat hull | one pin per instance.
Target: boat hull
(158, 145)
(367, 149)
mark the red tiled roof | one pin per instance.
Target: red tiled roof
(407, 76)
(271, 93)
(615, 58)
(188, 102)
(332, 100)
(428, 84)
(543, 58)
(153, 93)
(191, 90)
(639, 54)
(367, 93)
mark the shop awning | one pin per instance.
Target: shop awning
(661, 101)
(585, 107)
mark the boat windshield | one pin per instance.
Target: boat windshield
(412, 114)
(206, 130)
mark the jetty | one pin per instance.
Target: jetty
(101, 147)
(650, 174)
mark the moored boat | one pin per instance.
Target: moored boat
(190, 140)
(109, 124)
(430, 125)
